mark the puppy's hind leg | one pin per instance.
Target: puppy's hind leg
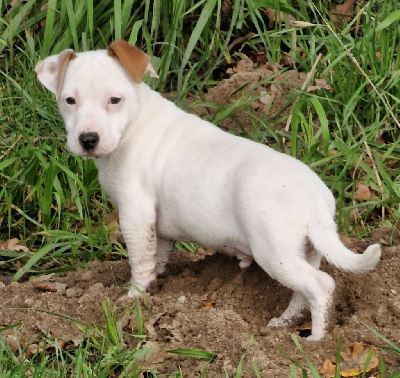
(298, 302)
(164, 247)
(244, 256)
(294, 310)
(285, 261)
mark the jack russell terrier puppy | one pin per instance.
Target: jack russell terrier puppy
(174, 176)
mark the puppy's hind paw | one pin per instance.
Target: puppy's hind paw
(160, 268)
(315, 337)
(278, 322)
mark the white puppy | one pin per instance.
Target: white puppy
(175, 176)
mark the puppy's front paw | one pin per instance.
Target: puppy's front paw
(134, 292)
(124, 299)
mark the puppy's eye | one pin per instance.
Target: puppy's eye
(114, 100)
(70, 101)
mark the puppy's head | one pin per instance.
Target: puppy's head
(96, 93)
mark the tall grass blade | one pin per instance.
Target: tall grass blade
(90, 18)
(205, 16)
(117, 19)
(135, 31)
(49, 27)
(312, 368)
(72, 23)
(35, 258)
(393, 17)
(194, 353)
(242, 358)
(392, 344)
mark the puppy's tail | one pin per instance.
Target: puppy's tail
(325, 239)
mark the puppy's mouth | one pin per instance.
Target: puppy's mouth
(88, 154)
(93, 154)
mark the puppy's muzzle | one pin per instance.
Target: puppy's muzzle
(89, 141)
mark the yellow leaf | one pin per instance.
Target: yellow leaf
(342, 13)
(352, 361)
(13, 245)
(363, 192)
(328, 369)
(273, 17)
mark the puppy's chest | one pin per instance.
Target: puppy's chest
(110, 181)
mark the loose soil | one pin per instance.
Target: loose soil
(205, 301)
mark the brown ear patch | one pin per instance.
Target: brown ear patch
(132, 59)
(63, 60)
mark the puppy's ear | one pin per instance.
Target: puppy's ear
(51, 70)
(135, 61)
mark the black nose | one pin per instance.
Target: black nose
(89, 141)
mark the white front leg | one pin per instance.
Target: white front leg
(138, 228)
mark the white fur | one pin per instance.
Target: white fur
(175, 176)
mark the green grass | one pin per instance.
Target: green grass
(49, 199)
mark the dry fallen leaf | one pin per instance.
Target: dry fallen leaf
(319, 84)
(69, 344)
(342, 13)
(226, 6)
(355, 357)
(111, 224)
(304, 330)
(48, 282)
(352, 361)
(11, 340)
(328, 368)
(261, 57)
(13, 245)
(205, 252)
(64, 344)
(363, 193)
(31, 350)
(279, 18)
(50, 286)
